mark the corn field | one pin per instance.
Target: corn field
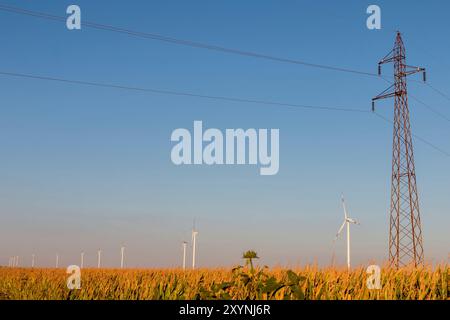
(238, 283)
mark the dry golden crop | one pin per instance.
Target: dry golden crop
(241, 283)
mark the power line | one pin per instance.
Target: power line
(436, 90)
(222, 98)
(183, 42)
(153, 36)
(190, 43)
(416, 136)
(439, 92)
(430, 108)
(176, 93)
(436, 112)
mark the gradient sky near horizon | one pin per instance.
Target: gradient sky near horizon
(83, 168)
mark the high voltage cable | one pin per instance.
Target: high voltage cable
(436, 112)
(415, 136)
(183, 42)
(158, 37)
(178, 93)
(190, 43)
(430, 108)
(439, 92)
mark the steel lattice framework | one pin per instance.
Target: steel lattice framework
(405, 233)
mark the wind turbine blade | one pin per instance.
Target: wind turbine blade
(345, 208)
(340, 230)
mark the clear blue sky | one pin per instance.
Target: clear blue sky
(83, 168)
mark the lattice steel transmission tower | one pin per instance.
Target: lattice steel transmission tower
(405, 236)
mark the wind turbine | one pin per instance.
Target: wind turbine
(194, 237)
(57, 261)
(122, 253)
(32, 260)
(99, 257)
(347, 221)
(184, 254)
(82, 260)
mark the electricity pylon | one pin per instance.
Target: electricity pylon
(405, 231)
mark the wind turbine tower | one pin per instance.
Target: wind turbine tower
(194, 244)
(122, 256)
(184, 254)
(99, 257)
(347, 221)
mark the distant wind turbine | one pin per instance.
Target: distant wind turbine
(194, 238)
(184, 254)
(122, 256)
(333, 256)
(57, 261)
(347, 221)
(32, 260)
(99, 257)
(82, 260)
